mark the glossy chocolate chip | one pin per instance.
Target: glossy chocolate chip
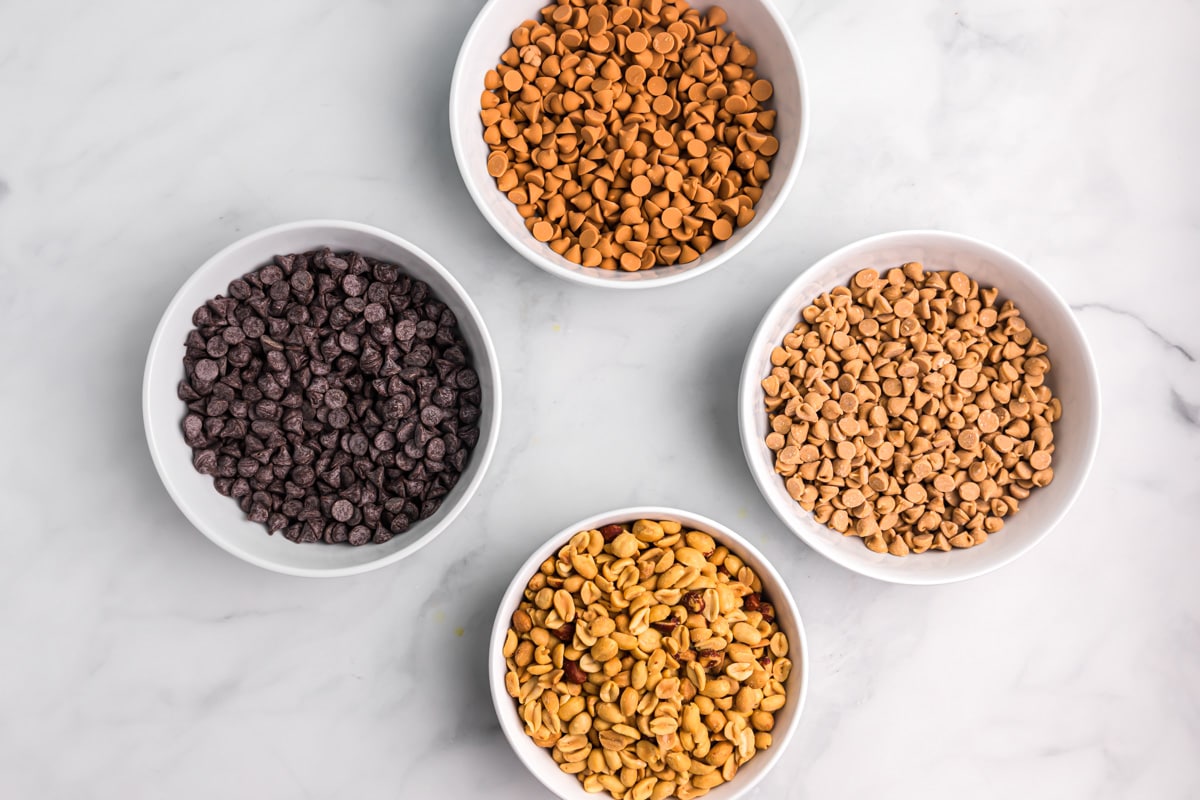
(331, 396)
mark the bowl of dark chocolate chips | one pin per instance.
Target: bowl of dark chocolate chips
(321, 398)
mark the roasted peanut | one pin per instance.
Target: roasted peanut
(647, 688)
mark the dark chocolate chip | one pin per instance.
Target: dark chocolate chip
(186, 393)
(336, 398)
(342, 510)
(205, 461)
(374, 313)
(405, 330)
(217, 346)
(387, 273)
(431, 415)
(207, 370)
(193, 429)
(302, 281)
(328, 394)
(253, 327)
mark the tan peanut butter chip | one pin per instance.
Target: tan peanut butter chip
(910, 409)
(636, 130)
(647, 660)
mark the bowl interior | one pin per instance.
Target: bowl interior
(756, 23)
(1072, 378)
(539, 761)
(219, 517)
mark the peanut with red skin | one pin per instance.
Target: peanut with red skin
(573, 672)
(711, 660)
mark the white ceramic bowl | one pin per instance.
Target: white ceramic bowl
(218, 517)
(1073, 379)
(756, 22)
(787, 719)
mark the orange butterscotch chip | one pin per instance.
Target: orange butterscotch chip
(497, 164)
(629, 133)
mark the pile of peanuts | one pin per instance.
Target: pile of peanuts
(647, 660)
(910, 410)
(628, 133)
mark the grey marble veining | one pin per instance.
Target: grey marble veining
(138, 660)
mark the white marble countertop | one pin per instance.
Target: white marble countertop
(139, 661)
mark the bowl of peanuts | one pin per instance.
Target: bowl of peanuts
(628, 143)
(648, 653)
(920, 407)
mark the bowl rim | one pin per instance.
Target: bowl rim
(503, 704)
(538, 259)
(166, 471)
(747, 408)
